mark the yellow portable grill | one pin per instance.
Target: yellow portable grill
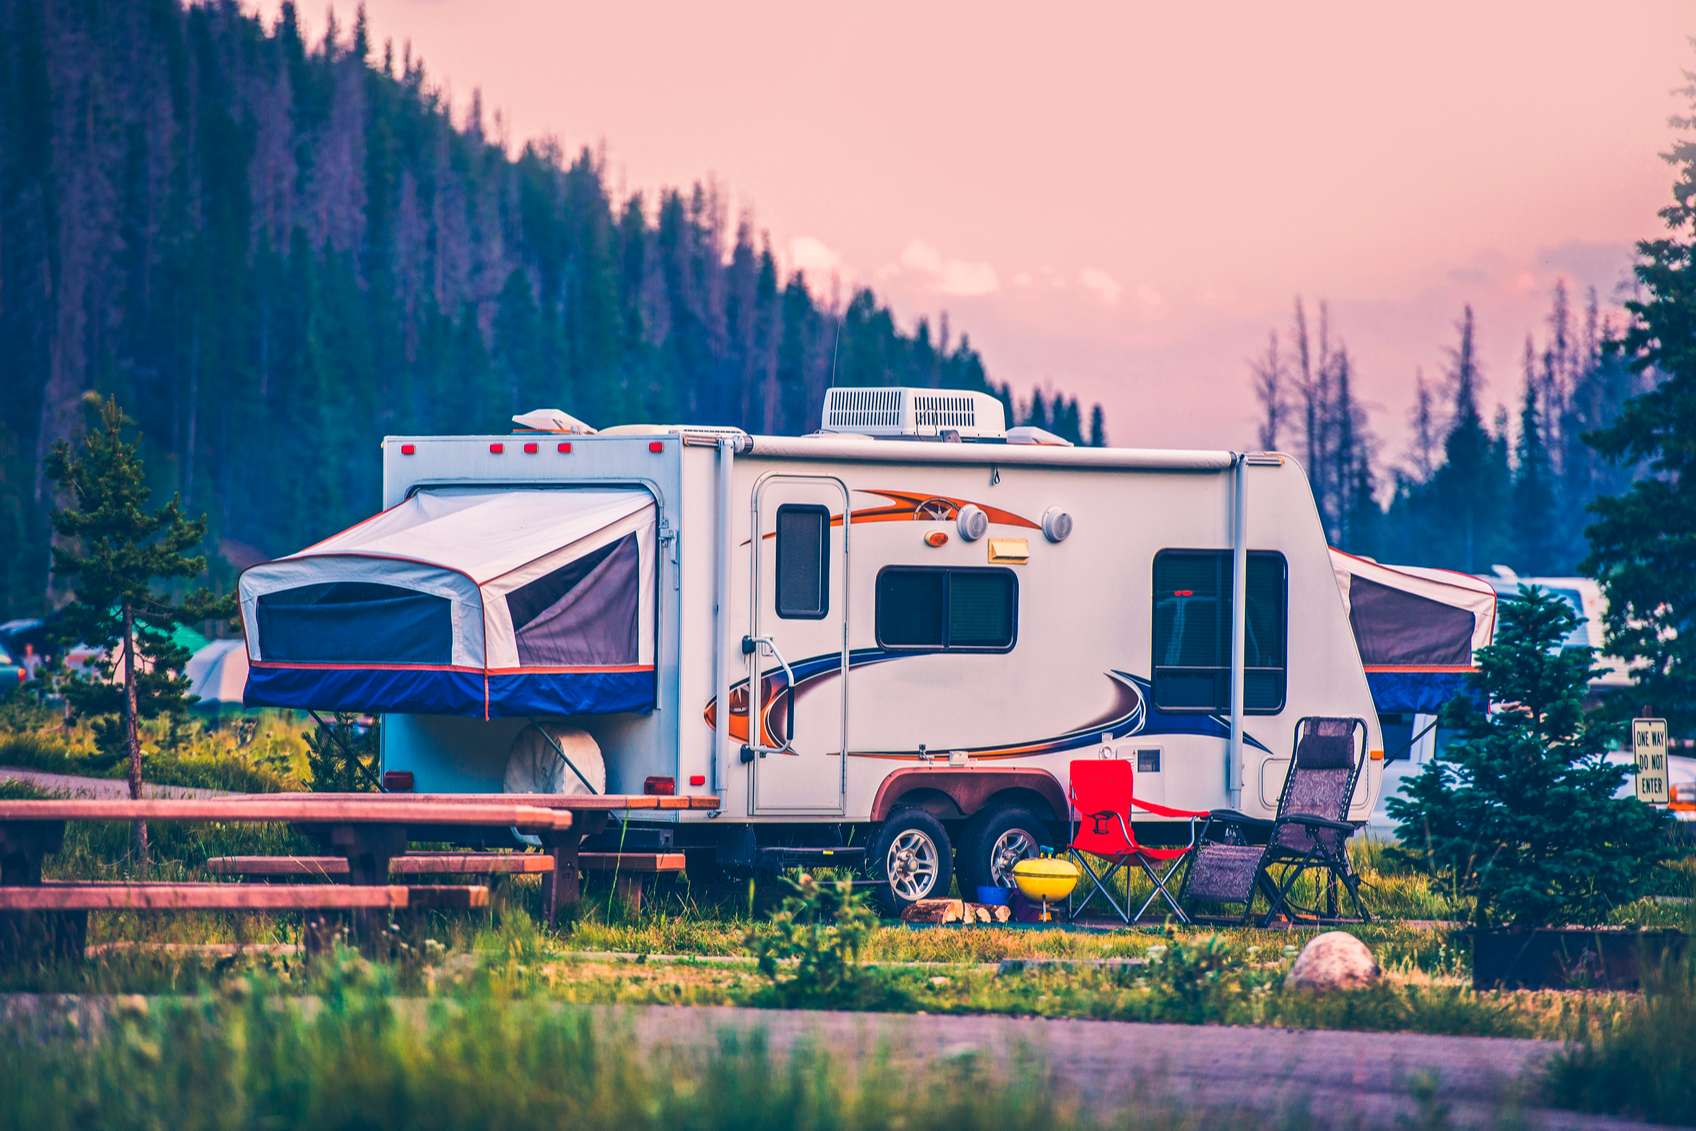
(1045, 880)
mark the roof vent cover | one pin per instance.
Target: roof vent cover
(881, 411)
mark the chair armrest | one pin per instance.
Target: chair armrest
(1233, 817)
(1167, 810)
(1313, 821)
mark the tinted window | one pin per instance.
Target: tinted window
(947, 609)
(803, 562)
(1192, 631)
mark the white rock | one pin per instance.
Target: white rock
(1335, 960)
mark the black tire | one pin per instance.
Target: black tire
(977, 864)
(900, 861)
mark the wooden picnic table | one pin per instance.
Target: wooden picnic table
(589, 812)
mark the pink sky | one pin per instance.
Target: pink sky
(1119, 199)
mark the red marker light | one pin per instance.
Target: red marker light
(530, 449)
(655, 446)
(697, 779)
(408, 449)
(1183, 592)
(565, 447)
(497, 449)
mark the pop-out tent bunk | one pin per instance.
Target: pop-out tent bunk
(464, 601)
(1417, 629)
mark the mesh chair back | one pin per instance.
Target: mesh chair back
(1102, 786)
(1320, 781)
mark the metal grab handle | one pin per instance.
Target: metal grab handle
(751, 645)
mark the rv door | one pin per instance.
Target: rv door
(797, 646)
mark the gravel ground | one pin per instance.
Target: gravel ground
(1323, 1079)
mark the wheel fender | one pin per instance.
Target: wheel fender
(970, 789)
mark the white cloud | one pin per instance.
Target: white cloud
(814, 256)
(962, 277)
(1102, 285)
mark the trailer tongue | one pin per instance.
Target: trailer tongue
(479, 602)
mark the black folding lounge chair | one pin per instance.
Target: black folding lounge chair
(1237, 856)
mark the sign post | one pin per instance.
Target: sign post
(1649, 746)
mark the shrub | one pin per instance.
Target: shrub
(1521, 816)
(810, 950)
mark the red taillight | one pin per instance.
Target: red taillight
(656, 446)
(658, 786)
(497, 449)
(397, 781)
(531, 449)
(408, 449)
(697, 779)
(565, 447)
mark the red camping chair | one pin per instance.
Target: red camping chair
(1102, 800)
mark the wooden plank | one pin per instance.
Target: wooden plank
(294, 809)
(649, 862)
(412, 864)
(447, 897)
(202, 897)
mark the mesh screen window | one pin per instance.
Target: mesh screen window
(1192, 631)
(947, 609)
(803, 562)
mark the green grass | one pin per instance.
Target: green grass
(256, 1054)
(1638, 1061)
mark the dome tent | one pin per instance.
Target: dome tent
(464, 601)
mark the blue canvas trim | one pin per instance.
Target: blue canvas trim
(422, 691)
(1415, 692)
(523, 694)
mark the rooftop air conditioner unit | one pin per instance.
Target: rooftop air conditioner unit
(913, 412)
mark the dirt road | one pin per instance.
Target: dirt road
(1325, 1079)
(73, 785)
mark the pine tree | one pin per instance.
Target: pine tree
(1097, 427)
(117, 552)
(1468, 490)
(1520, 814)
(1534, 519)
(1643, 542)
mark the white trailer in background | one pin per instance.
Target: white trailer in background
(889, 638)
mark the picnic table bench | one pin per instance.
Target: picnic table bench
(364, 837)
(631, 871)
(589, 812)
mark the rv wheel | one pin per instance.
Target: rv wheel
(911, 859)
(996, 840)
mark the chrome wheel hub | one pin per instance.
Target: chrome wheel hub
(912, 865)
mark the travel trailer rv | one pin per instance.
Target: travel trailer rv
(884, 642)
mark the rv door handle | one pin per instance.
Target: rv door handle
(750, 646)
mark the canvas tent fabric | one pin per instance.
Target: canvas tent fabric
(217, 673)
(1417, 629)
(464, 601)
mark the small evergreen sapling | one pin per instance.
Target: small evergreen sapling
(114, 551)
(1520, 815)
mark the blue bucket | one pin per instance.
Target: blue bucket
(993, 895)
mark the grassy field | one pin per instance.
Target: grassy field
(694, 947)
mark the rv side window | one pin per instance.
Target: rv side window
(803, 562)
(1192, 631)
(970, 609)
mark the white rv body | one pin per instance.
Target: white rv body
(873, 723)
